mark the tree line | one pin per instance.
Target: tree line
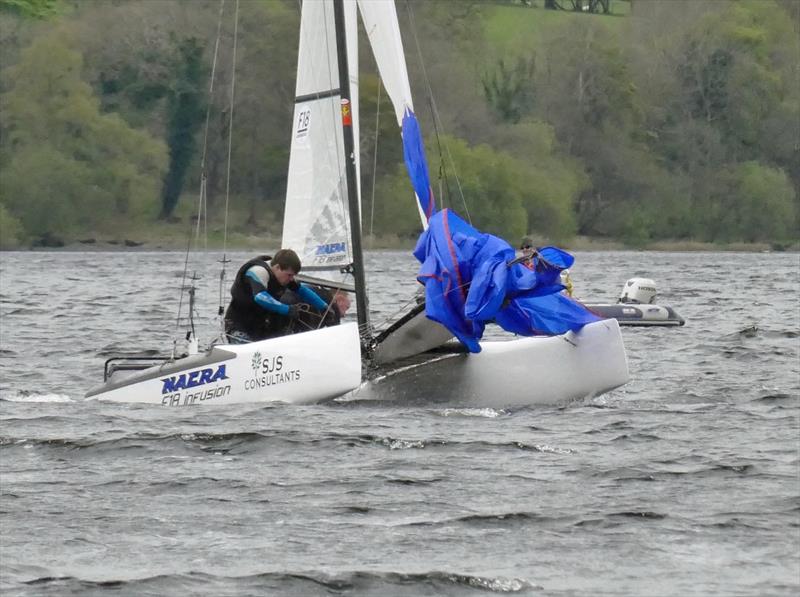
(678, 120)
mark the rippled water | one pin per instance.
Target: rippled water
(684, 482)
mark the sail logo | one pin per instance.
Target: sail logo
(256, 363)
(330, 248)
(193, 379)
(303, 122)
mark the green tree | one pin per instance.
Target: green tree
(722, 91)
(37, 9)
(66, 165)
(554, 180)
(588, 94)
(185, 111)
(495, 190)
(263, 111)
(509, 90)
(12, 233)
(757, 203)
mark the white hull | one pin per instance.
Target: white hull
(300, 369)
(515, 373)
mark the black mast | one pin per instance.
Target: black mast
(350, 170)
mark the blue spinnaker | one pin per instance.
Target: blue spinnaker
(417, 166)
(468, 282)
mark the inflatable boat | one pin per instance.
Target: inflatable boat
(636, 306)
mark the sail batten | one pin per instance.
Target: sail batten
(318, 95)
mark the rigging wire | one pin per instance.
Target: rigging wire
(437, 121)
(225, 259)
(375, 164)
(202, 207)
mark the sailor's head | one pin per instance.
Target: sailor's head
(342, 301)
(285, 266)
(526, 246)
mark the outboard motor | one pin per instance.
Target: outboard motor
(638, 291)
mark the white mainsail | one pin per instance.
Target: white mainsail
(316, 222)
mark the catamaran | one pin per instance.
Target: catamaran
(555, 350)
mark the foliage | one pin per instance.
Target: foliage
(509, 90)
(699, 91)
(395, 206)
(11, 231)
(262, 111)
(498, 192)
(37, 9)
(678, 120)
(185, 110)
(755, 203)
(66, 166)
(554, 181)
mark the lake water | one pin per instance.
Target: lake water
(686, 481)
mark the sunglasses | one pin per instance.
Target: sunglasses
(526, 247)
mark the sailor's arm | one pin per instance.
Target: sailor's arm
(312, 298)
(266, 301)
(258, 278)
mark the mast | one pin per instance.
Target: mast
(359, 278)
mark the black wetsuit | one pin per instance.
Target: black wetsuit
(255, 309)
(246, 315)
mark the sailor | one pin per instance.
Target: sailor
(527, 249)
(567, 282)
(256, 311)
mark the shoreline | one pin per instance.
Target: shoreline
(580, 244)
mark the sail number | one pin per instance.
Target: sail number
(303, 122)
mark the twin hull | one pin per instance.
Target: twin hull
(326, 363)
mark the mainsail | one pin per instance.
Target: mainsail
(316, 222)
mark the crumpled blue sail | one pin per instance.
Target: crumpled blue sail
(468, 282)
(416, 164)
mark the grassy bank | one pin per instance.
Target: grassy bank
(514, 29)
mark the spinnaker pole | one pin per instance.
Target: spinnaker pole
(362, 305)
